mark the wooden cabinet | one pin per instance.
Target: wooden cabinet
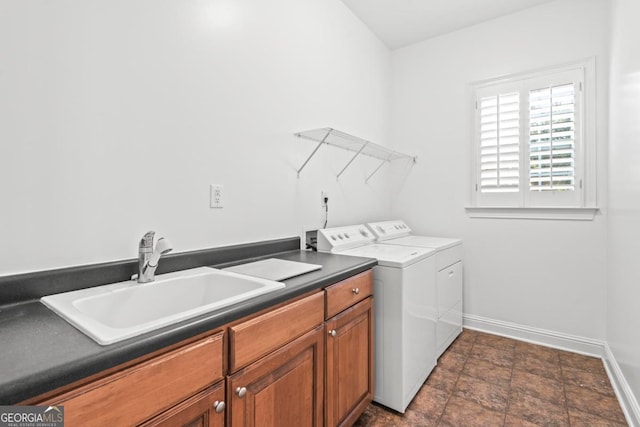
(349, 353)
(135, 394)
(346, 293)
(283, 389)
(257, 337)
(305, 363)
(206, 409)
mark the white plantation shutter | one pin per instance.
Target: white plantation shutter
(499, 143)
(552, 138)
(527, 145)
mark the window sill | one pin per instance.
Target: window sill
(572, 214)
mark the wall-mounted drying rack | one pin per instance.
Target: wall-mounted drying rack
(351, 143)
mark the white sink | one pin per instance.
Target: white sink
(118, 311)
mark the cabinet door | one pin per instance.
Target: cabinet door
(205, 409)
(283, 389)
(349, 364)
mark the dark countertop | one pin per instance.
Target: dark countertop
(40, 351)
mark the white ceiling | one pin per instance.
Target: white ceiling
(399, 23)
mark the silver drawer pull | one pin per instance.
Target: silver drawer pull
(241, 391)
(333, 332)
(219, 406)
(355, 291)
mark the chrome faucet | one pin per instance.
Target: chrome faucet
(148, 257)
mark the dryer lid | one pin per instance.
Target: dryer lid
(391, 255)
(439, 243)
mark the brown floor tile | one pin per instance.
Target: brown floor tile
(534, 365)
(537, 411)
(579, 361)
(368, 417)
(487, 371)
(378, 416)
(417, 419)
(580, 378)
(546, 354)
(442, 379)
(468, 335)
(583, 419)
(542, 387)
(511, 421)
(491, 396)
(429, 403)
(460, 412)
(462, 346)
(589, 401)
(495, 341)
(451, 361)
(537, 386)
(493, 355)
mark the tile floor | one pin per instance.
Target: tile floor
(486, 380)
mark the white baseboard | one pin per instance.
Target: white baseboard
(566, 342)
(544, 337)
(625, 395)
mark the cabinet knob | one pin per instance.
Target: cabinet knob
(219, 406)
(355, 291)
(241, 391)
(333, 332)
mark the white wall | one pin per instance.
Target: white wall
(623, 299)
(512, 268)
(117, 115)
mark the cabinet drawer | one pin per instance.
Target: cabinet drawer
(348, 292)
(134, 394)
(448, 256)
(250, 340)
(199, 410)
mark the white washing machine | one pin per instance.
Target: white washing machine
(449, 274)
(404, 311)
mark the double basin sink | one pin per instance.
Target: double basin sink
(118, 311)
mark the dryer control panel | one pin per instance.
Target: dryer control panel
(342, 238)
(389, 229)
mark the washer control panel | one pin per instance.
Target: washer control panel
(342, 238)
(389, 229)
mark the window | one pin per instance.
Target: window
(529, 142)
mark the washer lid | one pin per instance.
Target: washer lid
(391, 255)
(438, 243)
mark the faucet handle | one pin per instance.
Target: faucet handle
(163, 246)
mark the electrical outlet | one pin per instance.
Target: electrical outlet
(216, 196)
(324, 198)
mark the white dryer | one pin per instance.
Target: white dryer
(404, 311)
(449, 274)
